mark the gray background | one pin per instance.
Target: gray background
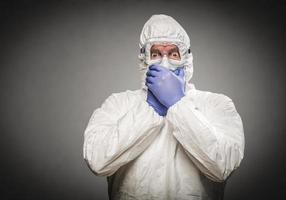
(61, 59)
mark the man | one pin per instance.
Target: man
(167, 140)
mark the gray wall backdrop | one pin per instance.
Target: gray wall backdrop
(61, 59)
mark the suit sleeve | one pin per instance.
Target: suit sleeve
(118, 132)
(211, 134)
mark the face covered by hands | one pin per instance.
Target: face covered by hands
(166, 85)
(164, 78)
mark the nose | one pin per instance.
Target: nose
(164, 61)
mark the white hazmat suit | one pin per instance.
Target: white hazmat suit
(188, 154)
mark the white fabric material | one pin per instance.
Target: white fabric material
(188, 154)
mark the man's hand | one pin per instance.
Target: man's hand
(167, 86)
(158, 107)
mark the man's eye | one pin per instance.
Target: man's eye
(154, 55)
(175, 54)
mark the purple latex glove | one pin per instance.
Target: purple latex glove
(157, 106)
(167, 86)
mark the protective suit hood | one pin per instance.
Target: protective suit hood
(163, 29)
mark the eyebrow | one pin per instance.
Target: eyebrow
(155, 51)
(174, 49)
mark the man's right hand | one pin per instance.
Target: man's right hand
(158, 107)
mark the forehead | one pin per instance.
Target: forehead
(165, 47)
